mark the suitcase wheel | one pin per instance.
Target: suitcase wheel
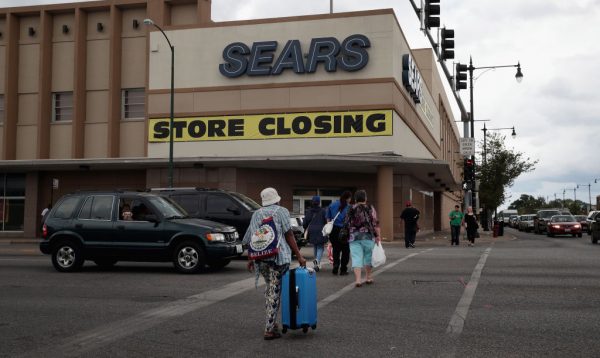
(314, 326)
(304, 329)
(284, 330)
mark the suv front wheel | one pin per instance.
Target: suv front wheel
(67, 256)
(188, 257)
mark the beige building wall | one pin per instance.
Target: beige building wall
(133, 139)
(60, 139)
(95, 140)
(63, 57)
(26, 142)
(184, 14)
(1, 146)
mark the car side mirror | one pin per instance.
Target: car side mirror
(234, 210)
(152, 218)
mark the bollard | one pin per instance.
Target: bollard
(496, 228)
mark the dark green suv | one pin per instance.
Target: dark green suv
(107, 227)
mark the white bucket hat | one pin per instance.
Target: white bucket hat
(269, 196)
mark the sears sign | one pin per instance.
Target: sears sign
(411, 78)
(260, 60)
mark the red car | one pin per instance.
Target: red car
(583, 221)
(564, 225)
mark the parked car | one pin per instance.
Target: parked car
(563, 225)
(526, 222)
(512, 221)
(582, 219)
(541, 219)
(591, 218)
(111, 226)
(223, 206)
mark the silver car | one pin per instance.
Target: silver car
(526, 222)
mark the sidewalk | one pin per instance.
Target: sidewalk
(30, 246)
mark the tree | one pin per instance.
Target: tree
(501, 168)
(527, 204)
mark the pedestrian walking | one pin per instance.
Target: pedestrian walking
(456, 219)
(364, 233)
(44, 214)
(410, 216)
(314, 220)
(271, 243)
(363, 228)
(339, 243)
(470, 222)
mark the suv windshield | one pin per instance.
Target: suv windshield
(548, 213)
(167, 207)
(246, 201)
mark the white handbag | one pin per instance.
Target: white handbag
(328, 228)
(378, 256)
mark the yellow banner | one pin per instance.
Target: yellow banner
(274, 126)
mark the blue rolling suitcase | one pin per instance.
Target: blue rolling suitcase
(299, 300)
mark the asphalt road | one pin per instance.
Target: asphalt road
(532, 296)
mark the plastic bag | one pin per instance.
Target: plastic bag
(330, 253)
(378, 256)
(327, 229)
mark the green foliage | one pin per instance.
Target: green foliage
(527, 204)
(501, 168)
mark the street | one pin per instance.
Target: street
(522, 295)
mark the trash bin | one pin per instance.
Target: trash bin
(501, 228)
(596, 230)
(496, 228)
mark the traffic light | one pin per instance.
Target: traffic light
(461, 76)
(432, 8)
(447, 44)
(469, 172)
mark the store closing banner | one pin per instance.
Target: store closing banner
(274, 126)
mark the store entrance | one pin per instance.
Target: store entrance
(303, 197)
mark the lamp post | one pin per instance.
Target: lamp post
(518, 77)
(149, 22)
(485, 129)
(589, 193)
(513, 134)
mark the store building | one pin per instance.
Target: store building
(308, 104)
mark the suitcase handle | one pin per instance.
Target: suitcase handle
(297, 297)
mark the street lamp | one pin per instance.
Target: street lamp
(149, 22)
(519, 78)
(513, 134)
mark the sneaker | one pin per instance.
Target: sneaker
(334, 271)
(316, 265)
(412, 245)
(343, 273)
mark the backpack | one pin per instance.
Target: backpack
(264, 242)
(361, 217)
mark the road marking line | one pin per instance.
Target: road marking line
(105, 334)
(459, 317)
(101, 336)
(327, 300)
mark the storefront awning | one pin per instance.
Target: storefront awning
(434, 173)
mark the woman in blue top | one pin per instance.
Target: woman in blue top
(314, 220)
(341, 248)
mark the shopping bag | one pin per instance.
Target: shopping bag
(378, 256)
(330, 253)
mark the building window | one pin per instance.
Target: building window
(12, 202)
(62, 106)
(1, 108)
(134, 103)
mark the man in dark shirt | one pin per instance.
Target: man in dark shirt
(410, 216)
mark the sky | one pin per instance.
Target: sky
(555, 109)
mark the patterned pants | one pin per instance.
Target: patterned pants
(273, 275)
